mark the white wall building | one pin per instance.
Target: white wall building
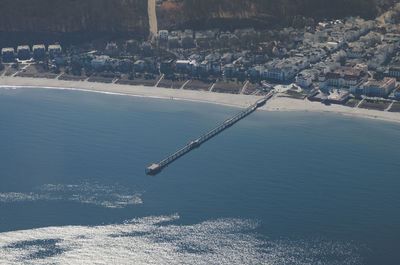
(163, 35)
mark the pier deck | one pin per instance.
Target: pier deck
(157, 167)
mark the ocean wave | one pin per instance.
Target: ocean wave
(113, 196)
(158, 240)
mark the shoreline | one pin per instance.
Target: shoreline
(234, 100)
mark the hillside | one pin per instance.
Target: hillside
(78, 20)
(46, 18)
(260, 13)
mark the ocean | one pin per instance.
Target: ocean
(276, 188)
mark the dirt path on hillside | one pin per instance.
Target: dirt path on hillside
(152, 19)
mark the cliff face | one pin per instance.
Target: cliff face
(66, 16)
(260, 13)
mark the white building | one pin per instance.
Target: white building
(304, 79)
(23, 52)
(54, 50)
(341, 78)
(182, 65)
(39, 51)
(374, 88)
(163, 35)
(100, 62)
(275, 74)
(7, 54)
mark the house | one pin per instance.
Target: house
(214, 57)
(125, 66)
(8, 54)
(229, 70)
(100, 62)
(394, 71)
(166, 66)
(173, 42)
(260, 59)
(233, 40)
(23, 52)
(355, 52)
(188, 33)
(343, 77)
(397, 93)
(227, 58)
(39, 51)
(274, 74)
(195, 57)
(203, 39)
(333, 44)
(216, 68)
(187, 42)
(145, 49)
(182, 65)
(113, 63)
(61, 60)
(205, 66)
(374, 88)
(336, 96)
(304, 79)
(193, 66)
(256, 72)
(139, 65)
(163, 35)
(131, 46)
(111, 49)
(54, 50)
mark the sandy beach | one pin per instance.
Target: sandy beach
(275, 104)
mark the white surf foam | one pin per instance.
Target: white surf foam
(112, 196)
(155, 240)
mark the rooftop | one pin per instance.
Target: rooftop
(386, 82)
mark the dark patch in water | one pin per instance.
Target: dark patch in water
(192, 248)
(130, 234)
(44, 248)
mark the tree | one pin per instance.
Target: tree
(76, 67)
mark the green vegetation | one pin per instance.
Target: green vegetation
(25, 20)
(395, 107)
(352, 102)
(375, 104)
(73, 16)
(262, 13)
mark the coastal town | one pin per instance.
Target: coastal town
(351, 62)
(205, 132)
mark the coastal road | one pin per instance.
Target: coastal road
(152, 19)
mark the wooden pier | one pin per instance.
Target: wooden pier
(156, 168)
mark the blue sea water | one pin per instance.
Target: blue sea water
(276, 188)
